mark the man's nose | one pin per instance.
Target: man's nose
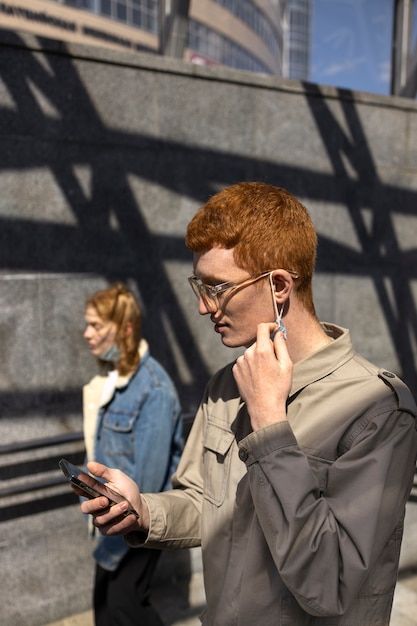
(204, 308)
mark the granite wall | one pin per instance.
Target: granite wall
(104, 159)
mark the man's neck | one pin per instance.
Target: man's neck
(305, 335)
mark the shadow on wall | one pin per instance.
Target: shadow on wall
(76, 136)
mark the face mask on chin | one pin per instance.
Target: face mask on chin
(112, 354)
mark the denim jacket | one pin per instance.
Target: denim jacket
(134, 424)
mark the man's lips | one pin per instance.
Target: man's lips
(219, 327)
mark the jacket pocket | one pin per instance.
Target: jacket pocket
(117, 432)
(217, 444)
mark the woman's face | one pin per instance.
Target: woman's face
(100, 334)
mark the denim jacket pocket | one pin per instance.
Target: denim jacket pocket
(217, 443)
(117, 431)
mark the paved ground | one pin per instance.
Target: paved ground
(405, 602)
(404, 611)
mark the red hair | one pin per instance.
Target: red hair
(267, 227)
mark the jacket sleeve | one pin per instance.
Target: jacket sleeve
(325, 541)
(155, 439)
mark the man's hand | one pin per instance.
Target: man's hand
(111, 520)
(264, 376)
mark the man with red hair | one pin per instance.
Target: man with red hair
(301, 458)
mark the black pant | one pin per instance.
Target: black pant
(121, 598)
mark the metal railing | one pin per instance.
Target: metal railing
(30, 479)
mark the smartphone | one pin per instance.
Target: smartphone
(91, 487)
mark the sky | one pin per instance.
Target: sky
(351, 43)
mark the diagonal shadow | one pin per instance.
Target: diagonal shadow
(392, 269)
(76, 137)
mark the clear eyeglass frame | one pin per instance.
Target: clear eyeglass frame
(210, 293)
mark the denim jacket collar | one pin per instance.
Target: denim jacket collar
(113, 382)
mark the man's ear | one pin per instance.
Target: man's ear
(283, 283)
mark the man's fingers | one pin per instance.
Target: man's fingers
(265, 332)
(280, 347)
(95, 505)
(114, 521)
(268, 335)
(98, 469)
(124, 526)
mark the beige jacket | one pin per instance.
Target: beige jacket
(301, 522)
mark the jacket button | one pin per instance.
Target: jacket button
(243, 454)
(388, 374)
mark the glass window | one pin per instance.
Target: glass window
(221, 49)
(121, 11)
(105, 7)
(249, 13)
(136, 17)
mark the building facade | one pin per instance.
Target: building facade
(297, 47)
(243, 34)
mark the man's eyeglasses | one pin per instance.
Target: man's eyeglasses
(210, 293)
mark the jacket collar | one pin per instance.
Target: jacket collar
(324, 361)
(115, 381)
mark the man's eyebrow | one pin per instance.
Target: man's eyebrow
(211, 279)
